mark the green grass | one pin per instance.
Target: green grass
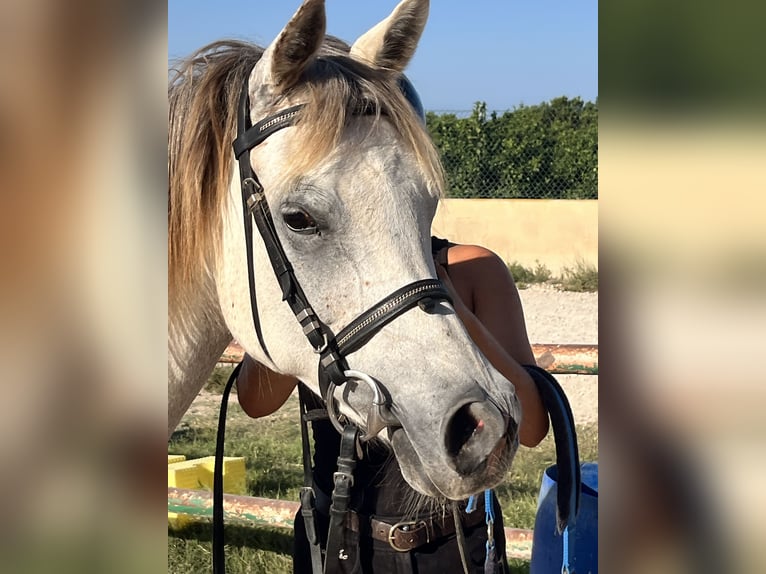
(272, 450)
(217, 380)
(261, 550)
(583, 277)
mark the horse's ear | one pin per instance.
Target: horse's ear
(291, 52)
(391, 43)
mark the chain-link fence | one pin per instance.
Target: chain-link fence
(548, 150)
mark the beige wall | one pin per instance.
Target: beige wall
(555, 232)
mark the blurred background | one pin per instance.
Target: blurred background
(83, 298)
(83, 302)
(683, 254)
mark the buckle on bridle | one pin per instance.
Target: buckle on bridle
(325, 343)
(255, 193)
(348, 477)
(405, 526)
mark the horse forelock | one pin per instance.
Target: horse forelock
(337, 88)
(203, 97)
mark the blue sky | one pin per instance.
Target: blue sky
(502, 52)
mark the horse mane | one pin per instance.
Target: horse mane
(203, 91)
(203, 96)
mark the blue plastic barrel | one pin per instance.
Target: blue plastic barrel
(547, 544)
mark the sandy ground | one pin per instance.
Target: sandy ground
(566, 318)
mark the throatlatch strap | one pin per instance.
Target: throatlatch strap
(219, 558)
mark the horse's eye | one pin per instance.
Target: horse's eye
(300, 222)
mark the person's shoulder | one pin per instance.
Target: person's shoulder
(478, 265)
(466, 253)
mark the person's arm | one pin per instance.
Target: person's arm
(261, 391)
(489, 305)
(488, 290)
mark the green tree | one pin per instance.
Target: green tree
(546, 150)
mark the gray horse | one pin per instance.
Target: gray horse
(353, 197)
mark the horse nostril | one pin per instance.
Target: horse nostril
(472, 433)
(462, 427)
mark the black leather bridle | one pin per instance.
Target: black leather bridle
(332, 349)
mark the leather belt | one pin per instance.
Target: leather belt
(410, 534)
(406, 535)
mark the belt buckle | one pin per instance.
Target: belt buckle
(404, 527)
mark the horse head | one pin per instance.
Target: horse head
(352, 187)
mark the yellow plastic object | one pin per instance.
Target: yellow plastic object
(197, 474)
(234, 481)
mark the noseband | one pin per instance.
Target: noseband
(332, 349)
